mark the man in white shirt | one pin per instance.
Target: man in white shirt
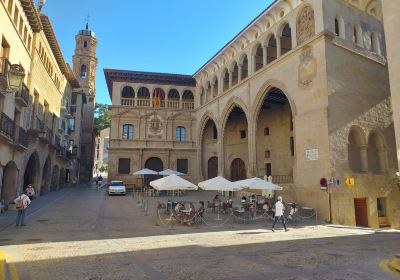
(21, 202)
(279, 214)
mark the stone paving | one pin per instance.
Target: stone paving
(84, 234)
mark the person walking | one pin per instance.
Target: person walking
(21, 203)
(97, 183)
(30, 192)
(279, 214)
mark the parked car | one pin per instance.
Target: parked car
(116, 187)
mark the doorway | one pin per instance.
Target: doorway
(212, 167)
(155, 164)
(238, 170)
(360, 207)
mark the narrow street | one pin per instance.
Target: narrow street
(84, 234)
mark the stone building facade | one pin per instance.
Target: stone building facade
(391, 20)
(300, 94)
(35, 120)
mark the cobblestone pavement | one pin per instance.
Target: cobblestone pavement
(84, 234)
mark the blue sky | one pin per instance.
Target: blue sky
(172, 36)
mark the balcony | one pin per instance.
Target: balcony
(63, 153)
(5, 65)
(62, 126)
(22, 96)
(46, 135)
(21, 138)
(282, 179)
(6, 127)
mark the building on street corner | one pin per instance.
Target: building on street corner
(101, 152)
(301, 94)
(40, 127)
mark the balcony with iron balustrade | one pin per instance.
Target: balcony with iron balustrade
(164, 104)
(22, 96)
(46, 135)
(21, 140)
(6, 127)
(63, 153)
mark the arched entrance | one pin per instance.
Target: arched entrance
(155, 164)
(46, 177)
(9, 184)
(212, 168)
(275, 141)
(32, 172)
(238, 170)
(235, 142)
(209, 148)
(61, 178)
(54, 178)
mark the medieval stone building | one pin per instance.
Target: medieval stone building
(300, 94)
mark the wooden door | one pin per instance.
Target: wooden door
(360, 207)
(238, 170)
(212, 168)
(155, 164)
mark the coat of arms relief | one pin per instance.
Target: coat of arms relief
(155, 127)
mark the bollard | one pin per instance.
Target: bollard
(143, 206)
(157, 216)
(146, 208)
(138, 197)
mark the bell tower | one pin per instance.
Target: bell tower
(84, 66)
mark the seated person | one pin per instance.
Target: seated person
(178, 208)
(244, 199)
(200, 211)
(252, 198)
(216, 201)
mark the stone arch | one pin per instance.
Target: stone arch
(225, 80)
(207, 143)
(32, 172)
(54, 178)
(153, 163)
(377, 158)
(10, 182)
(272, 48)
(203, 122)
(231, 104)
(358, 35)
(46, 176)
(356, 149)
(234, 69)
(340, 29)
(273, 111)
(286, 38)
(258, 56)
(173, 98)
(127, 92)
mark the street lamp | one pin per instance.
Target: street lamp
(15, 76)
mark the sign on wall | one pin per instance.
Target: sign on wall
(312, 154)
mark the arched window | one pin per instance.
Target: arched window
(376, 153)
(180, 134)
(83, 71)
(187, 100)
(245, 68)
(356, 147)
(272, 53)
(215, 87)
(357, 35)
(143, 97)
(173, 99)
(143, 93)
(85, 44)
(235, 74)
(339, 27)
(225, 80)
(375, 46)
(258, 58)
(128, 92)
(127, 131)
(286, 39)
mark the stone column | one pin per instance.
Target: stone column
(136, 97)
(240, 72)
(230, 78)
(264, 55)
(278, 46)
(180, 100)
(364, 158)
(251, 170)
(151, 99)
(212, 89)
(221, 154)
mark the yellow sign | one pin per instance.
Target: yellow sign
(350, 181)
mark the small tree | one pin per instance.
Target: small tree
(102, 117)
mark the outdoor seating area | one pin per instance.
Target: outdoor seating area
(219, 202)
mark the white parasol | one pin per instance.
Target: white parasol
(146, 171)
(168, 172)
(171, 183)
(257, 184)
(218, 184)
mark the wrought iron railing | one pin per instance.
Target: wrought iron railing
(21, 137)
(23, 94)
(6, 126)
(282, 179)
